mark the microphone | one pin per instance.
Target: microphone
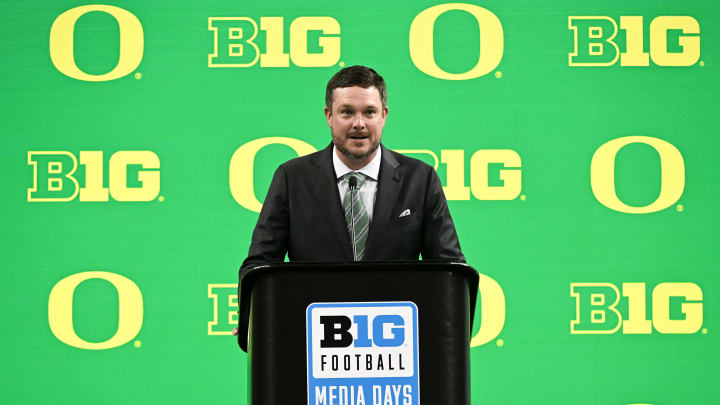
(352, 183)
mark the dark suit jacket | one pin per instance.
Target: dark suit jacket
(302, 215)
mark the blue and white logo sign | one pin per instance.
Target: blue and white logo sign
(362, 353)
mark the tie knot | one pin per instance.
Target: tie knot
(359, 177)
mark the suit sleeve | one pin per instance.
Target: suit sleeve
(270, 238)
(439, 238)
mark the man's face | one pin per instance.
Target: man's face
(356, 121)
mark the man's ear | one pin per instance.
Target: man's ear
(385, 112)
(328, 114)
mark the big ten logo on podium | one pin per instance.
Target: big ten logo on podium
(336, 332)
(365, 350)
(672, 41)
(677, 308)
(58, 176)
(62, 42)
(238, 42)
(495, 174)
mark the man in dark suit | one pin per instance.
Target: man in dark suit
(354, 200)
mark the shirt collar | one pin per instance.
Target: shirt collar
(372, 169)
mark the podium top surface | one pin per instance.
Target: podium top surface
(352, 267)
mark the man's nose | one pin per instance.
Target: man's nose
(358, 122)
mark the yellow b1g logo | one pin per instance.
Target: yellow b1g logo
(132, 176)
(234, 42)
(677, 308)
(674, 41)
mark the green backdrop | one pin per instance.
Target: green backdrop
(546, 211)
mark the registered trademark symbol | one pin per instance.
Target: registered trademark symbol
(138, 75)
(498, 74)
(161, 198)
(500, 343)
(523, 198)
(341, 64)
(704, 331)
(702, 63)
(680, 208)
(137, 344)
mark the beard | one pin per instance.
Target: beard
(356, 156)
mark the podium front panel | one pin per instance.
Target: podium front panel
(280, 297)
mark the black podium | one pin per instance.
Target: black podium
(280, 306)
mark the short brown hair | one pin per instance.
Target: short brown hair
(360, 76)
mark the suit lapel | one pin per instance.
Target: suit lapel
(326, 192)
(389, 183)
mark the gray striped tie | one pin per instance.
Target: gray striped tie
(354, 204)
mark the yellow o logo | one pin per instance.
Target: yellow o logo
(243, 160)
(130, 306)
(421, 41)
(492, 311)
(62, 35)
(602, 174)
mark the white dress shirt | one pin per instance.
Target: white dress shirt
(369, 187)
